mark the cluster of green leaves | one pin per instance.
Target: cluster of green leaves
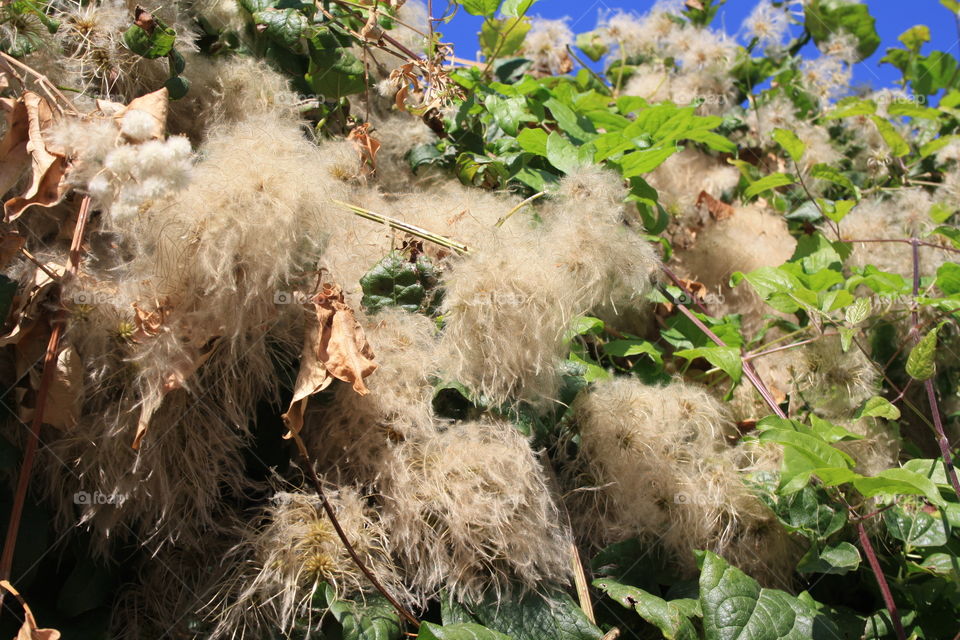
(152, 38)
(524, 133)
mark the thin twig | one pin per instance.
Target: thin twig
(535, 196)
(43, 390)
(908, 241)
(32, 258)
(328, 509)
(400, 225)
(48, 86)
(748, 369)
(580, 580)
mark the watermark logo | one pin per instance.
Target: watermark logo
(290, 297)
(99, 497)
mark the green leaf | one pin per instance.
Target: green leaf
(397, 281)
(915, 37)
(627, 348)
(460, 631)
(793, 145)
(640, 162)
(593, 44)
(528, 617)
(892, 482)
(736, 607)
(484, 8)
(501, 38)
(898, 146)
(826, 172)
(858, 311)
(516, 8)
(917, 525)
(673, 623)
(177, 87)
(921, 364)
(824, 18)
(564, 155)
(533, 141)
(333, 72)
(155, 43)
(725, 358)
(878, 407)
(766, 183)
(508, 113)
(375, 619)
(837, 559)
(948, 278)
(585, 325)
(936, 144)
(283, 26)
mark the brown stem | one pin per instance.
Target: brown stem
(328, 509)
(46, 380)
(881, 581)
(748, 369)
(907, 241)
(942, 441)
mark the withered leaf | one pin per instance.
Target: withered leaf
(334, 347)
(62, 407)
(10, 245)
(371, 31)
(14, 157)
(312, 378)
(48, 168)
(153, 104)
(718, 209)
(29, 630)
(366, 145)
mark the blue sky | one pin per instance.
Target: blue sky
(893, 17)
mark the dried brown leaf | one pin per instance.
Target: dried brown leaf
(14, 157)
(29, 630)
(718, 209)
(366, 145)
(48, 168)
(334, 347)
(312, 378)
(371, 31)
(10, 245)
(155, 105)
(62, 407)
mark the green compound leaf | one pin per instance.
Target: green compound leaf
(825, 18)
(793, 145)
(150, 37)
(397, 281)
(766, 183)
(283, 26)
(530, 617)
(374, 619)
(460, 631)
(672, 619)
(837, 559)
(921, 365)
(917, 525)
(736, 607)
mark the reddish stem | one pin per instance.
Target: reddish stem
(46, 380)
(881, 581)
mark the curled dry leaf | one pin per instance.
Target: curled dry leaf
(48, 166)
(10, 245)
(718, 209)
(366, 145)
(29, 630)
(62, 407)
(173, 379)
(154, 104)
(334, 347)
(371, 31)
